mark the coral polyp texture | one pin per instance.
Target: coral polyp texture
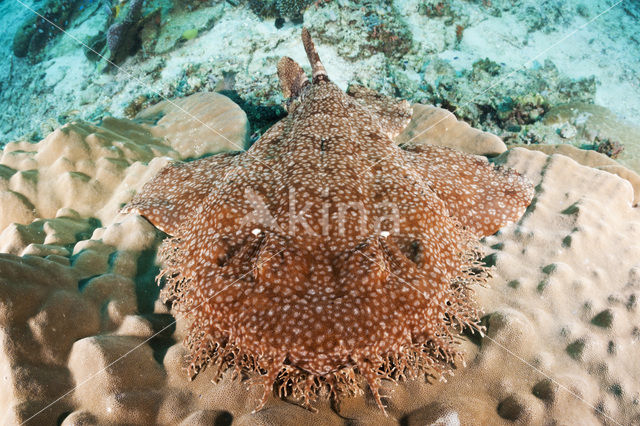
(327, 258)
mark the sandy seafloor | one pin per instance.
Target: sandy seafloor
(76, 279)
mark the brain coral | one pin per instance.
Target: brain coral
(79, 167)
(94, 169)
(316, 298)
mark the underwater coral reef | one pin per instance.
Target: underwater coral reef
(497, 65)
(506, 133)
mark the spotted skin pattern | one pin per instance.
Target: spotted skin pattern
(327, 258)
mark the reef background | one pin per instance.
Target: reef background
(500, 65)
(83, 337)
